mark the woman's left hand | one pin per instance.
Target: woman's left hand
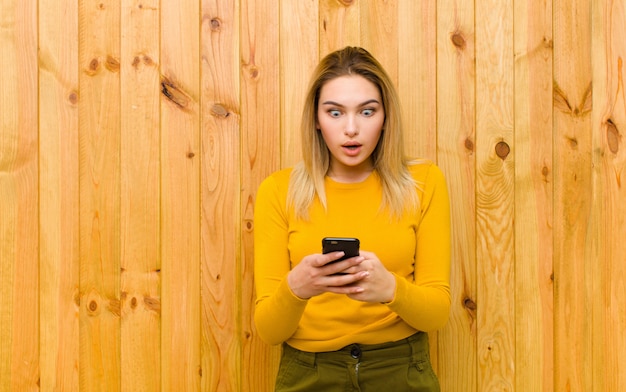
(379, 285)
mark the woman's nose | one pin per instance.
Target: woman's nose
(352, 128)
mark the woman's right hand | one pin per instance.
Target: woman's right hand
(316, 274)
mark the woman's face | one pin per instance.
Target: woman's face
(350, 116)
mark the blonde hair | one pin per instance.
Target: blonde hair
(388, 158)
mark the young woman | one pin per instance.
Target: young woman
(357, 324)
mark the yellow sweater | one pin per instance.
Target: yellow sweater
(416, 249)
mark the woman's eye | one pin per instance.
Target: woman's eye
(334, 113)
(368, 112)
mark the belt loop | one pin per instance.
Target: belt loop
(419, 345)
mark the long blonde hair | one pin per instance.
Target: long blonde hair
(388, 158)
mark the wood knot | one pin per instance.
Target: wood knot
(146, 60)
(153, 304)
(253, 72)
(502, 150)
(469, 304)
(469, 145)
(547, 43)
(93, 305)
(458, 40)
(216, 24)
(218, 110)
(73, 97)
(112, 64)
(190, 154)
(133, 303)
(93, 67)
(249, 225)
(612, 136)
(545, 171)
(174, 94)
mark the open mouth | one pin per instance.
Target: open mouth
(352, 149)
(352, 146)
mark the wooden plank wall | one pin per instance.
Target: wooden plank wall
(134, 134)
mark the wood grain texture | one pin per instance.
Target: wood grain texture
(456, 155)
(573, 196)
(260, 110)
(534, 359)
(58, 185)
(221, 285)
(379, 33)
(417, 75)
(134, 135)
(180, 196)
(495, 196)
(298, 57)
(99, 182)
(19, 239)
(140, 197)
(340, 25)
(609, 163)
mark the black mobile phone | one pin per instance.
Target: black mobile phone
(350, 246)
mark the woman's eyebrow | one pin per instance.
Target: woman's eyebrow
(340, 105)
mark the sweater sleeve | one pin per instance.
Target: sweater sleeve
(278, 310)
(425, 303)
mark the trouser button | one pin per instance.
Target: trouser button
(355, 352)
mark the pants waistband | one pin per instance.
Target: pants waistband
(413, 346)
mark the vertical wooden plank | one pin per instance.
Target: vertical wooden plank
(221, 220)
(379, 33)
(180, 195)
(495, 196)
(573, 195)
(417, 88)
(298, 57)
(58, 189)
(260, 106)
(609, 215)
(456, 139)
(140, 218)
(533, 197)
(417, 75)
(99, 130)
(340, 25)
(19, 236)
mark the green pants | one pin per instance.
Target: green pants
(396, 366)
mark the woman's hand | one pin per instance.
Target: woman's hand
(379, 285)
(314, 275)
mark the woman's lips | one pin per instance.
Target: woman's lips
(351, 149)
